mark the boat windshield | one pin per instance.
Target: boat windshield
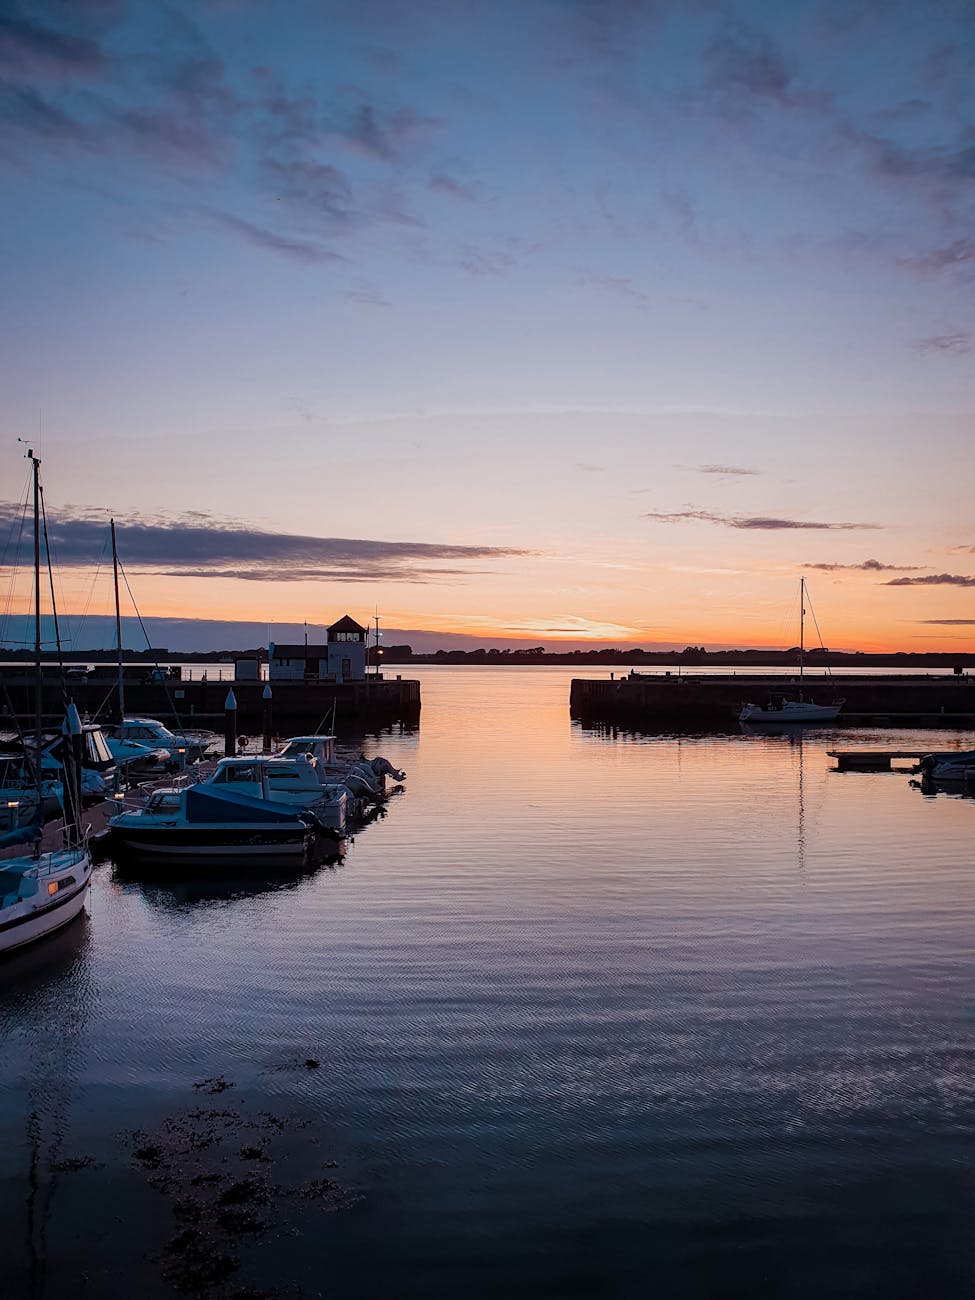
(162, 801)
(236, 772)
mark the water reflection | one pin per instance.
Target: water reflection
(175, 888)
(590, 1007)
(31, 973)
(44, 1015)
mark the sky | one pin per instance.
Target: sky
(558, 322)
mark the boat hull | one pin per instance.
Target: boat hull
(791, 712)
(213, 842)
(27, 921)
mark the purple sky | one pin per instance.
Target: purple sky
(542, 319)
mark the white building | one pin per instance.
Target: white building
(341, 659)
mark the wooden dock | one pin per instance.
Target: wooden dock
(872, 760)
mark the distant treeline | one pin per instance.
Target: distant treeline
(690, 656)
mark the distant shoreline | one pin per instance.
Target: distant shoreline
(693, 657)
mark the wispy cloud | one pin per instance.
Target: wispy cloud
(298, 250)
(744, 63)
(959, 343)
(620, 286)
(366, 293)
(384, 137)
(869, 566)
(477, 263)
(442, 183)
(957, 256)
(203, 546)
(723, 469)
(27, 46)
(947, 622)
(934, 580)
(571, 625)
(758, 523)
(25, 112)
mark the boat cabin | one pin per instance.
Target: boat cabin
(288, 780)
(321, 748)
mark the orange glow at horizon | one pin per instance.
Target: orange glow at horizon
(743, 610)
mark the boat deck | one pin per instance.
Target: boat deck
(872, 760)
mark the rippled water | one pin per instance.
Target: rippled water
(595, 1013)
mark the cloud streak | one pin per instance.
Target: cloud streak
(868, 566)
(32, 48)
(297, 250)
(959, 343)
(202, 546)
(934, 580)
(756, 523)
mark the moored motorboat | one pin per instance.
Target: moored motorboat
(364, 778)
(204, 822)
(952, 765)
(135, 759)
(295, 782)
(182, 748)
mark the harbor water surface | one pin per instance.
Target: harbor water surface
(584, 1013)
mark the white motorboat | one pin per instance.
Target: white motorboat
(150, 732)
(98, 765)
(779, 708)
(135, 759)
(320, 747)
(952, 765)
(364, 777)
(42, 891)
(298, 782)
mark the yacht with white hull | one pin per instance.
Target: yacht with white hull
(42, 891)
(780, 709)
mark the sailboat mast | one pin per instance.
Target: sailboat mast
(118, 633)
(38, 677)
(802, 631)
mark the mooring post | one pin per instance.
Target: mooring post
(266, 697)
(230, 725)
(74, 749)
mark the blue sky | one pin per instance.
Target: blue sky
(521, 278)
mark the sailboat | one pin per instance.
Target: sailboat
(146, 744)
(42, 891)
(779, 709)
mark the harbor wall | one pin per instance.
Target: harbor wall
(294, 706)
(714, 700)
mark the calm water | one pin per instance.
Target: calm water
(594, 1013)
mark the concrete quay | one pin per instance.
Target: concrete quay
(295, 706)
(713, 701)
